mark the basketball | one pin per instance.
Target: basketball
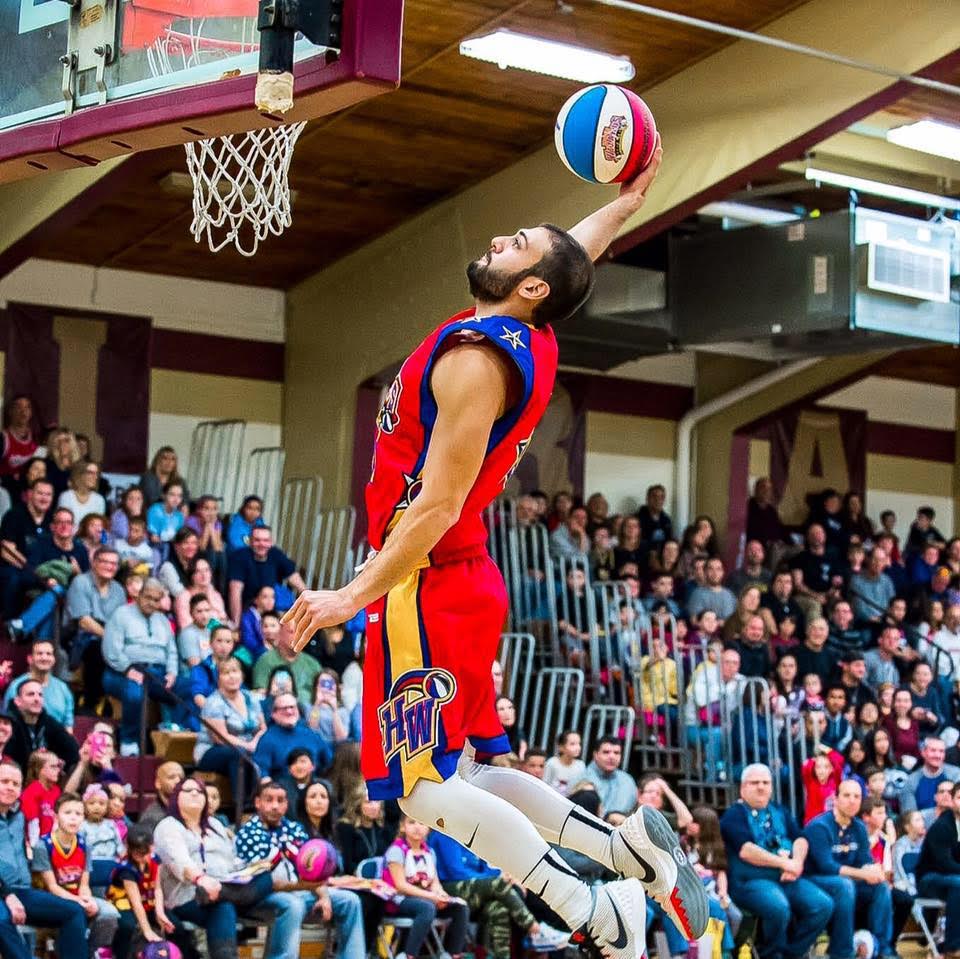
(605, 134)
(316, 860)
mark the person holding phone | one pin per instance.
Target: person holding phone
(326, 713)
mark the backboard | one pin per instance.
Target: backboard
(100, 78)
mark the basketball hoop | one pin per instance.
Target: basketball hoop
(240, 189)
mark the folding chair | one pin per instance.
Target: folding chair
(372, 868)
(917, 911)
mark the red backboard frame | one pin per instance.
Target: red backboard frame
(368, 65)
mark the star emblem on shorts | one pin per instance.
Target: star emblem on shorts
(513, 337)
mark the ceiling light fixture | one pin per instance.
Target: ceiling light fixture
(565, 60)
(876, 188)
(746, 212)
(928, 136)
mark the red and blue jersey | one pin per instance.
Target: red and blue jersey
(408, 414)
(68, 864)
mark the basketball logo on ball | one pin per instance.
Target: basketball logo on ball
(606, 134)
(316, 860)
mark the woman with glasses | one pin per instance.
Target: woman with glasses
(232, 727)
(197, 856)
(81, 497)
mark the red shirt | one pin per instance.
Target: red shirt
(15, 453)
(406, 420)
(820, 796)
(37, 803)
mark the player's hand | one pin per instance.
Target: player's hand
(314, 609)
(637, 188)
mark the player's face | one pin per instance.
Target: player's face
(495, 275)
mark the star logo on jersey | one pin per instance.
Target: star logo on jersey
(413, 486)
(513, 337)
(521, 449)
(410, 718)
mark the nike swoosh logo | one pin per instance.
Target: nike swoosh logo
(648, 873)
(474, 836)
(621, 941)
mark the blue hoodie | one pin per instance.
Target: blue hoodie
(833, 846)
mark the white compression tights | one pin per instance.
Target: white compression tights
(507, 818)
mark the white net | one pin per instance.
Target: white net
(241, 192)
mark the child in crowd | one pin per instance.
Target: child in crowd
(812, 692)
(132, 582)
(100, 835)
(117, 808)
(566, 768)
(39, 799)
(785, 637)
(135, 892)
(325, 713)
(410, 866)
(704, 847)
(60, 862)
(821, 776)
(868, 719)
(300, 769)
(906, 851)
(193, 641)
(251, 624)
(135, 550)
(164, 519)
(214, 802)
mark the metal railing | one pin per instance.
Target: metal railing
(330, 559)
(516, 657)
(215, 451)
(605, 720)
(557, 702)
(299, 504)
(263, 478)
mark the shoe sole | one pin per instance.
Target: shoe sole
(686, 903)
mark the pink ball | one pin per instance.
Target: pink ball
(159, 950)
(316, 860)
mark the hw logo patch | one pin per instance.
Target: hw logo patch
(410, 718)
(611, 139)
(388, 419)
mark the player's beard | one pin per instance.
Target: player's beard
(488, 285)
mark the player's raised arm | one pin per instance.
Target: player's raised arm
(470, 385)
(597, 231)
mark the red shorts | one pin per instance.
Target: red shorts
(431, 643)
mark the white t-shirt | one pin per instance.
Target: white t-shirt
(561, 777)
(95, 504)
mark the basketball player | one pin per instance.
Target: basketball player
(452, 429)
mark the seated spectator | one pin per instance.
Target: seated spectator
(57, 696)
(655, 792)
(927, 705)
(903, 729)
(922, 531)
(748, 605)
(787, 700)
(175, 570)
(251, 630)
(334, 649)
(714, 692)
(93, 597)
(22, 902)
(841, 865)
(243, 522)
(919, 790)
(141, 658)
(95, 766)
(303, 668)
(752, 572)
(839, 732)
(780, 601)
(201, 584)
(82, 498)
(162, 470)
(656, 527)
(135, 550)
(130, 507)
(699, 542)
(17, 442)
(205, 522)
(168, 776)
(813, 656)
(872, 590)
(205, 676)
(853, 673)
(261, 564)
(906, 850)
(297, 779)
(754, 648)
(34, 728)
(855, 521)
(20, 527)
(572, 614)
(938, 871)
(922, 569)
(569, 540)
(325, 713)
(165, 519)
(813, 693)
(942, 648)
(616, 788)
(942, 802)
(410, 866)
(507, 714)
(816, 574)
(750, 733)
(661, 594)
(286, 733)
(881, 662)
(38, 802)
(603, 567)
(360, 831)
(882, 835)
(713, 595)
(868, 718)
(91, 533)
(566, 768)
(271, 835)
(821, 775)
(52, 561)
(763, 520)
(193, 641)
(232, 727)
(766, 855)
(844, 636)
(666, 560)
(101, 835)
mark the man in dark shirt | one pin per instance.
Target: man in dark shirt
(853, 672)
(814, 656)
(780, 601)
(844, 637)
(840, 863)
(656, 527)
(22, 524)
(938, 871)
(257, 565)
(34, 728)
(816, 575)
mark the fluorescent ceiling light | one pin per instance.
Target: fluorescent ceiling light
(746, 213)
(508, 49)
(876, 188)
(928, 136)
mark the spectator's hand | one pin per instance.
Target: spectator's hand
(51, 582)
(75, 566)
(313, 610)
(211, 886)
(787, 876)
(89, 907)
(441, 899)
(151, 936)
(17, 913)
(873, 874)
(920, 714)
(169, 680)
(136, 676)
(323, 906)
(793, 867)
(165, 924)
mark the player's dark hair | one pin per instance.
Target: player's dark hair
(568, 270)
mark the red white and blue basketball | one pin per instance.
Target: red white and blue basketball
(606, 134)
(316, 860)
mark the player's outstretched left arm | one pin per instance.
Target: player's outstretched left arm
(470, 385)
(598, 231)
